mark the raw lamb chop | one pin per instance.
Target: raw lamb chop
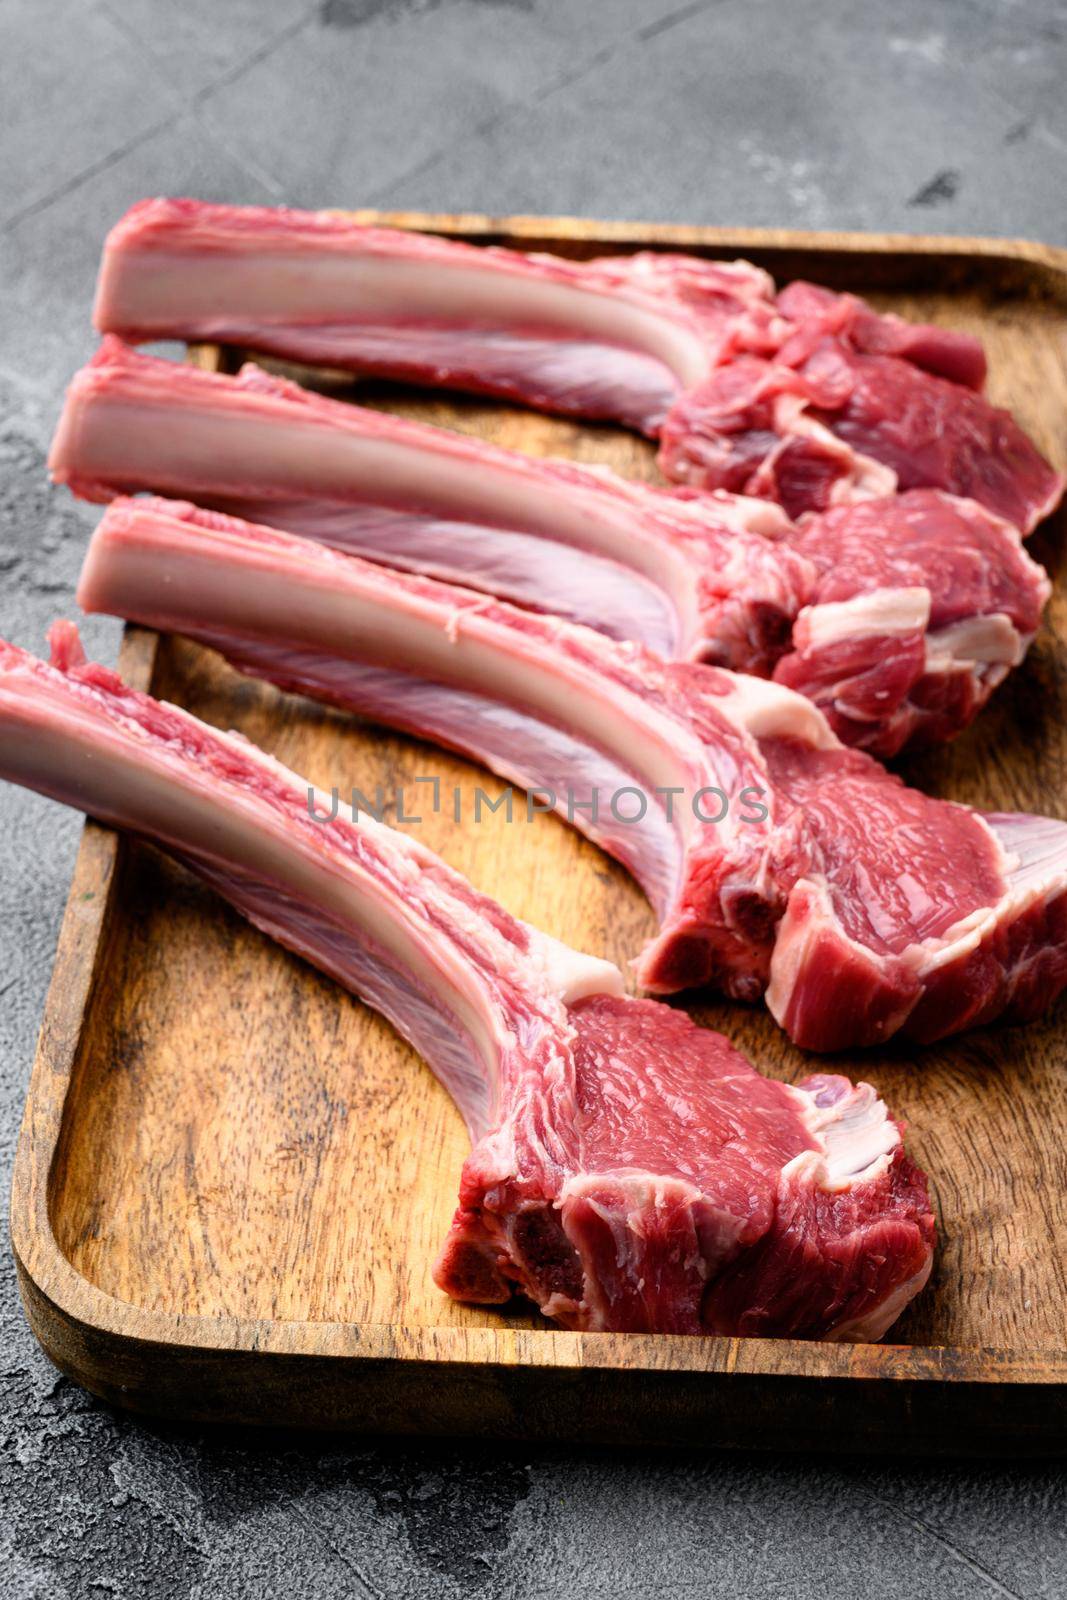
(774, 857)
(921, 605)
(812, 398)
(690, 578)
(629, 1170)
(618, 338)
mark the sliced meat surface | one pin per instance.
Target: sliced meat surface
(921, 605)
(721, 1233)
(911, 913)
(808, 313)
(846, 425)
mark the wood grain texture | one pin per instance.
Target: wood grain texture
(232, 1177)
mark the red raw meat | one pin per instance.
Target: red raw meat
(921, 605)
(773, 856)
(842, 425)
(813, 312)
(629, 1170)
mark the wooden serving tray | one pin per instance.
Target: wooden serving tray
(232, 1178)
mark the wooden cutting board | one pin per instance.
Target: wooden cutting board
(232, 1178)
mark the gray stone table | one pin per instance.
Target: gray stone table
(912, 115)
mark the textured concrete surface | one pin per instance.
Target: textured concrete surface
(922, 114)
